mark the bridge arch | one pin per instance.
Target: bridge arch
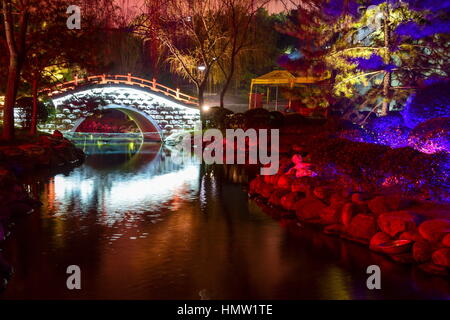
(146, 124)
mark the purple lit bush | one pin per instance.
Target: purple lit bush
(348, 130)
(374, 62)
(373, 167)
(417, 31)
(430, 102)
(431, 136)
(389, 130)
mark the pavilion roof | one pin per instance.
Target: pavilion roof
(284, 77)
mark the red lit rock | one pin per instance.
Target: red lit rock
(434, 230)
(382, 204)
(412, 235)
(359, 198)
(422, 251)
(334, 229)
(275, 198)
(441, 257)
(378, 205)
(332, 213)
(266, 190)
(255, 185)
(446, 240)
(377, 239)
(322, 192)
(348, 211)
(309, 208)
(267, 178)
(271, 179)
(285, 181)
(301, 185)
(338, 199)
(363, 227)
(434, 269)
(394, 223)
(288, 201)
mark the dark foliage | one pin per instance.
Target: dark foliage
(431, 136)
(215, 117)
(430, 102)
(372, 166)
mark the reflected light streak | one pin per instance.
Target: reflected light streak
(118, 195)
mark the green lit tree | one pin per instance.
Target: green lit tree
(385, 49)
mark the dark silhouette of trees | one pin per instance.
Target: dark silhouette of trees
(43, 50)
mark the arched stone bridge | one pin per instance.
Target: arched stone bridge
(157, 110)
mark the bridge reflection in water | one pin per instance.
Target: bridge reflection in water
(123, 174)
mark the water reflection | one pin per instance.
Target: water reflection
(113, 185)
(142, 226)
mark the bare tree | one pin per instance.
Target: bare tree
(193, 33)
(239, 18)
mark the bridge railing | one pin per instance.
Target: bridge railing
(123, 79)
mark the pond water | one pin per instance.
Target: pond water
(142, 226)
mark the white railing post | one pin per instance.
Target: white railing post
(178, 93)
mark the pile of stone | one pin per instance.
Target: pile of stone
(389, 224)
(48, 152)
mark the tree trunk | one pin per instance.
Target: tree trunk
(201, 95)
(34, 113)
(386, 93)
(10, 98)
(387, 58)
(13, 73)
(227, 82)
(201, 102)
(16, 47)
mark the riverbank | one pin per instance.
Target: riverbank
(407, 229)
(19, 159)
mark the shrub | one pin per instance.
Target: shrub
(215, 117)
(369, 166)
(388, 130)
(430, 102)
(276, 119)
(431, 136)
(258, 118)
(236, 121)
